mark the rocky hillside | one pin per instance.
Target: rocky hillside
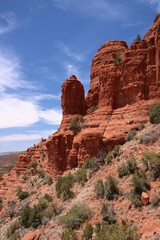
(109, 133)
(8, 161)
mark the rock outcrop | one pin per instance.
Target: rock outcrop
(125, 81)
(144, 199)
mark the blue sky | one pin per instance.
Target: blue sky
(43, 42)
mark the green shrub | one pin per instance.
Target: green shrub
(43, 203)
(48, 180)
(53, 210)
(138, 38)
(1, 204)
(123, 171)
(25, 176)
(108, 214)
(25, 216)
(81, 176)
(87, 232)
(101, 157)
(152, 162)
(135, 199)
(34, 165)
(92, 164)
(150, 137)
(35, 217)
(69, 234)
(132, 165)
(131, 135)
(97, 227)
(12, 229)
(11, 209)
(155, 201)
(83, 122)
(31, 217)
(22, 195)
(94, 108)
(109, 158)
(74, 125)
(41, 173)
(116, 151)
(140, 183)
(154, 113)
(99, 189)
(117, 232)
(64, 185)
(117, 58)
(111, 188)
(48, 197)
(17, 172)
(15, 236)
(77, 215)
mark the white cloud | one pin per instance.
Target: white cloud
(25, 137)
(17, 113)
(47, 96)
(11, 75)
(51, 116)
(18, 109)
(71, 70)
(102, 9)
(22, 113)
(8, 22)
(155, 4)
(64, 48)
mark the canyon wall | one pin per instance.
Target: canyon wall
(118, 101)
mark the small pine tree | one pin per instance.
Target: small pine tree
(25, 216)
(99, 189)
(111, 188)
(87, 232)
(117, 58)
(138, 38)
(69, 234)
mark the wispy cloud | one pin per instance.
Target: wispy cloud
(8, 22)
(65, 49)
(11, 75)
(22, 113)
(155, 4)
(47, 96)
(130, 25)
(17, 113)
(17, 110)
(26, 137)
(51, 116)
(102, 9)
(71, 69)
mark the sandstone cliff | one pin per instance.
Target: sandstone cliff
(118, 100)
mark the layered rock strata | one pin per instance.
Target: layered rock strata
(125, 81)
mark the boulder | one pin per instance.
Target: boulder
(144, 199)
(32, 235)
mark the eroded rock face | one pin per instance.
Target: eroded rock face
(137, 78)
(117, 102)
(73, 98)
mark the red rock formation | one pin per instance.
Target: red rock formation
(144, 199)
(122, 92)
(73, 98)
(32, 235)
(135, 79)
